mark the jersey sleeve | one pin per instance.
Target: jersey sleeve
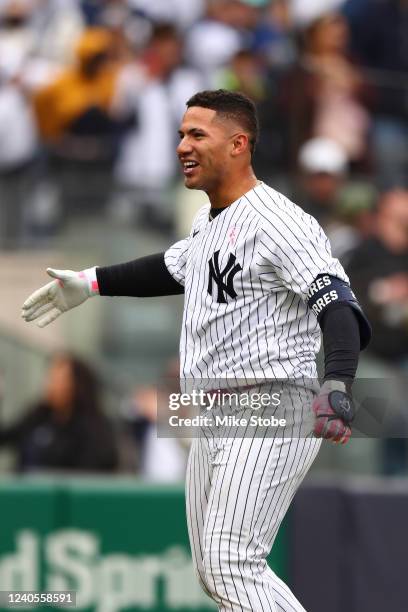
(175, 259)
(296, 250)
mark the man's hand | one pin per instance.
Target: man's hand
(334, 411)
(69, 289)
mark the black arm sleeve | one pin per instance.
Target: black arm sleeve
(341, 342)
(143, 277)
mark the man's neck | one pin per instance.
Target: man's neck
(232, 191)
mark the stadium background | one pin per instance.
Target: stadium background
(91, 94)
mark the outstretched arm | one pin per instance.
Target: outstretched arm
(143, 277)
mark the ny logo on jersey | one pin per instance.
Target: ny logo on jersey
(223, 279)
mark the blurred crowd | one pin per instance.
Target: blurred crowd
(92, 91)
(67, 431)
(66, 428)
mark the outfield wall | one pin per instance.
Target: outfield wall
(120, 545)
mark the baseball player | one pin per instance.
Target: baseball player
(260, 286)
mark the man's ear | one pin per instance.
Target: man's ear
(240, 144)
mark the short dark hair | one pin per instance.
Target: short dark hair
(232, 104)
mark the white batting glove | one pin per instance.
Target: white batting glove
(69, 289)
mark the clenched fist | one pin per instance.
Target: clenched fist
(334, 411)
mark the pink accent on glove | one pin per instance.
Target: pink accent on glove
(90, 276)
(327, 424)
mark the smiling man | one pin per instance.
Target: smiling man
(260, 283)
(216, 147)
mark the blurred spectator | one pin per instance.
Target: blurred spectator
(304, 13)
(57, 25)
(323, 165)
(354, 220)
(274, 35)
(16, 36)
(244, 73)
(324, 94)
(378, 272)
(212, 42)
(66, 429)
(380, 42)
(344, 208)
(181, 13)
(81, 90)
(147, 162)
(130, 28)
(76, 121)
(37, 38)
(18, 148)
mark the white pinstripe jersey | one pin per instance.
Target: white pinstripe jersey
(246, 275)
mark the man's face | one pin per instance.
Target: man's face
(205, 148)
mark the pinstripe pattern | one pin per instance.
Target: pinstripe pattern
(239, 488)
(267, 331)
(238, 491)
